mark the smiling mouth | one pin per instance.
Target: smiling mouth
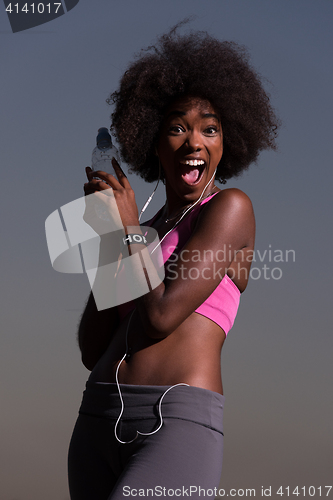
(192, 170)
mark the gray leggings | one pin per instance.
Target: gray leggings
(182, 457)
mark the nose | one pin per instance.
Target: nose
(194, 140)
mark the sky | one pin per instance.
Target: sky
(277, 359)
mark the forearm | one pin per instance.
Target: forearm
(161, 312)
(143, 272)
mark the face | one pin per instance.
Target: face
(190, 147)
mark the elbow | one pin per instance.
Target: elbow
(158, 326)
(88, 360)
(88, 363)
(89, 357)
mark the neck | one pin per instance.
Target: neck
(176, 202)
(178, 207)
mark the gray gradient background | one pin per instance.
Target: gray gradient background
(277, 360)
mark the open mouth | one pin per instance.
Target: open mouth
(192, 170)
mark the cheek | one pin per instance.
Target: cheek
(167, 148)
(219, 149)
(164, 145)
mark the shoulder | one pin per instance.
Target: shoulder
(228, 216)
(230, 201)
(233, 195)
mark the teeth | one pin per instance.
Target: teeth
(193, 163)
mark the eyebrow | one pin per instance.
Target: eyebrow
(211, 115)
(182, 113)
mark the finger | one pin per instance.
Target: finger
(117, 167)
(89, 173)
(89, 189)
(108, 179)
(93, 174)
(120, 174)
(95, 185)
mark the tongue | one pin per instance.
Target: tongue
(191, 176)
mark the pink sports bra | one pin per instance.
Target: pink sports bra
(222, 305)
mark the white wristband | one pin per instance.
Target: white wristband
(134, 238)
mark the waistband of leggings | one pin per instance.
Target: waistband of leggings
(141, 402)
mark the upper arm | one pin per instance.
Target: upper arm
(224, 228)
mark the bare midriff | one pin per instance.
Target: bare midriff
(190, 355)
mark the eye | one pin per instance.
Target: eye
(177, 129)
(211, 130)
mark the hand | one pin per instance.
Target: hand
(115, 197)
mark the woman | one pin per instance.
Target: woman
(192, 110)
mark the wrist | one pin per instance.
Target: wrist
(132, 226)
(134, 238)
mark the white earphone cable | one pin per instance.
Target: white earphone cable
(186, 211)
(129, 321)
(122, 401)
